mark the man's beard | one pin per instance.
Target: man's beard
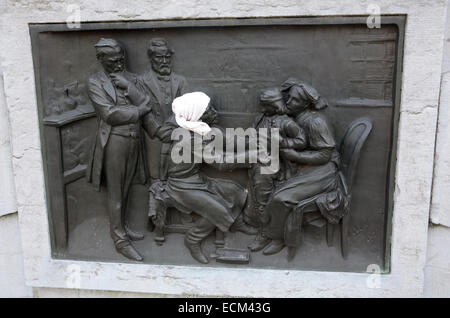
(164, 69)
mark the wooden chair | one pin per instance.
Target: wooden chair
(307, 210)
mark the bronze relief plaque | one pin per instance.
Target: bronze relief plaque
(330, 87)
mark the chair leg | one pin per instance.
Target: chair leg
(150, 225)
(157, 215)
(220, 239)
(159, 237)
(330, 234)
(345, 223)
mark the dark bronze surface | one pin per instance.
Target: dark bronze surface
(339, 83)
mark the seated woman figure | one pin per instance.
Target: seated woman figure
(292, 137)
(218, 202)
(317, 164)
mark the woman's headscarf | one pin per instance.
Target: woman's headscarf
(188, 110)
(307, 92)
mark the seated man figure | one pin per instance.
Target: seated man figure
(218, 202)
(292, 137)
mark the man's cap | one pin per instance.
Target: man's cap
(159, 43)
(107, 43)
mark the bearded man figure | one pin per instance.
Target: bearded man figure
(162, 85)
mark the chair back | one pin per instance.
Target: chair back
(350, 149)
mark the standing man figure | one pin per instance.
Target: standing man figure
(117, 154)
(162, 86)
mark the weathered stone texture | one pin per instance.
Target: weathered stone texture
(7, 192)
(12, 281)
(417, 130)
(440, 209)
(437, 270)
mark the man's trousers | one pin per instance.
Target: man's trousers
(120, 166)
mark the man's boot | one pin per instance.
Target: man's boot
(134, 236)
(196, 251)
(275, 247)
(125, 248)
(260, 242)
(240, 226)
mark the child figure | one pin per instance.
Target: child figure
(292, 136)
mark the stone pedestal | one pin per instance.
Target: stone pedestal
(419, 99)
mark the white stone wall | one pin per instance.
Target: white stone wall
(440, 212)
(419, 110)
(437, 270)
(12, 279)
(7, 192)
